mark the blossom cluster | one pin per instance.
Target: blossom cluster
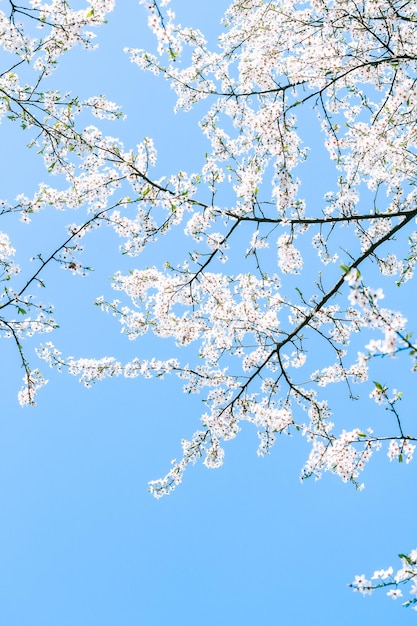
(387, 579)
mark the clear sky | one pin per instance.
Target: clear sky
(82, 543)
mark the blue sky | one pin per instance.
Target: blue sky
(81, 541)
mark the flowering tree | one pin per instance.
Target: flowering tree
(276, 296)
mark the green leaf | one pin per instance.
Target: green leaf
(90, 13)
(406, 558)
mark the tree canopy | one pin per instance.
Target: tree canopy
(296, 239)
